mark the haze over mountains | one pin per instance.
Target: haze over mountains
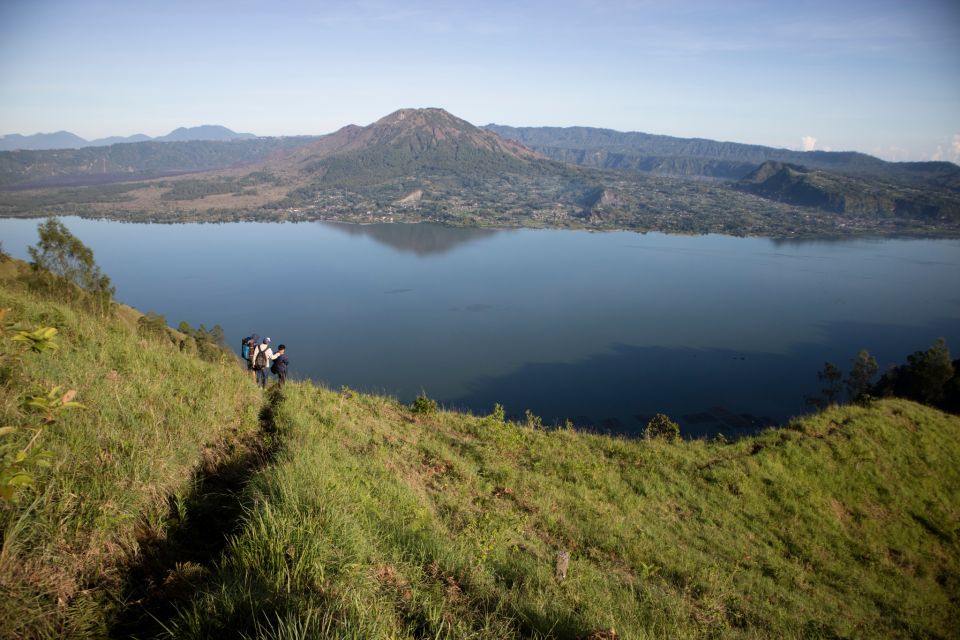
(67, 140)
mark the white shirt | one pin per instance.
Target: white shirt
(268, 353)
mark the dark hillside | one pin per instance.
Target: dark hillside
(844, 194)
(132, 161)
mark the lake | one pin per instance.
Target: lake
(604, 329)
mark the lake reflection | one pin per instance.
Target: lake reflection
(421, 239)
(605, 329)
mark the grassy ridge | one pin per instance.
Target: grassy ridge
(370, 520)
(146, 427)
(380, 523)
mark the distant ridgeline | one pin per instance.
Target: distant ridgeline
(426, 164)
(608, 149)
(133, 161)
(67, 140)
(844, 182)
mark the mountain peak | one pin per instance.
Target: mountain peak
(420, 116)
(432, 118)
(415, 138)
(204, 132)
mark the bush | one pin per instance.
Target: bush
(499, 416)
(152, 325)
(423, 405)
(660, 426)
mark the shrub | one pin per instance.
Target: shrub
(533, 420)
(499, 416)
(660, 426)
(152, 325)
(423, 405)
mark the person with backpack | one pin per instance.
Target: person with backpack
(261, 359)
(280, 364)
(246, 352)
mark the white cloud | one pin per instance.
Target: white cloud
(948, 150)
(808, 143)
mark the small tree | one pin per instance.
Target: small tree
(218, 337)
(660, 426)
(62, 254)
(832, 380)
(862, 371)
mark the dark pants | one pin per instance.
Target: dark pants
(262, 376)
(281, 378)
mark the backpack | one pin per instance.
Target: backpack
(245, 347)
(274, 368)
(260, 360)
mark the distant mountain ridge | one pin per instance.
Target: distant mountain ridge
(136, 161)
(668, 155)
(67, 140)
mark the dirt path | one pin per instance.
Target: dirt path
(171, 569)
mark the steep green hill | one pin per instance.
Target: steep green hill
(379, 522)
(115, 467)
(169, 510)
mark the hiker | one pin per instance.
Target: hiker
(246, 352)
(262, 356)
(280, 364)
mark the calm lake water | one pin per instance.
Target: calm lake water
(605, 329)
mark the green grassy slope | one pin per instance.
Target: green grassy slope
(376, 522)
(368, 520)
(146, 427)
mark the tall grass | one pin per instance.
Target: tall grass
(379, 522)
(373, 520)
(148, 423)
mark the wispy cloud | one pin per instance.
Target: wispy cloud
(808, 143)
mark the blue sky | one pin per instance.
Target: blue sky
(880, 77)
